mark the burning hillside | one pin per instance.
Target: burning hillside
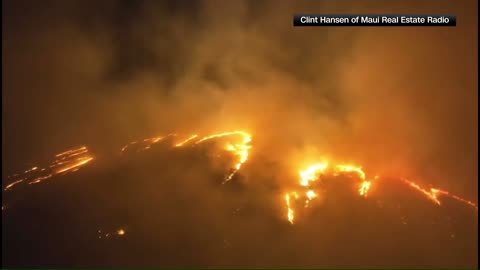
(215, 134)
(307, 201)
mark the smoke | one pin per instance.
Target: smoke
(412, 100)
(395, 100)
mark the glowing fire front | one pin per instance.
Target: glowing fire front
(238, 143)
(65, 162)
(315, 172)
(72, 160)
(240, 150)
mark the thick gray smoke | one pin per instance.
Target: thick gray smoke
(395, 99)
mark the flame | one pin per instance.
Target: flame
(105, 235)
(32, 169)
(247, 137)
(180, 144)
(350, 168)
(240, 150)
(364, 187)
(72, 160)
(67, 153)
(128, 145)
(431, 194)
(145, 144)
(462, 200)
(65, 162)
(311, 194)
(312, 173)
(434, 194)
(79, 162)
(290, 212)
(40, 179)
(11, 185)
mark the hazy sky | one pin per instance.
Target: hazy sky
(398, 101)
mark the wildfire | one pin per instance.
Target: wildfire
(240, 150)
(77, 163)
(310, 194)
(364, 187)
(431, 194)
(74, 159)
(312, 173)
(434, 194)
(65, 162)
(11, 185)
(350, 169)
(462, 200)
(70, 153)
(182, 143)
(145, 144)
(315, 172)
(109, 234)
(290, 213)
